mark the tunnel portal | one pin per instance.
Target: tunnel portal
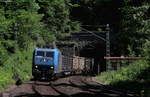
(87, 44)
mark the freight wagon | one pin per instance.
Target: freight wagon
(47, 63)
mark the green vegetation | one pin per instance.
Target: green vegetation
(133, 36)
(19, 65)
(133, 78)
(25, 25)
(134, 26)
(125, 73)
(20, 27)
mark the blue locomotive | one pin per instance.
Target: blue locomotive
(45, 62)
(48, 63)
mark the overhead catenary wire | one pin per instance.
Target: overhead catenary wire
(94, 25)
(107, 40)
(94, 34)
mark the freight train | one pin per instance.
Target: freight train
(48, 63)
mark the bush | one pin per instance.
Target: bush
(19, 64)
(5, 78)
(125, 73)
(131, 78)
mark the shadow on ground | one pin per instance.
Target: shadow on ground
(84, 90)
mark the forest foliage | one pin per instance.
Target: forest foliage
(132, 38)
(26, 24)
(39, 22)
(135, 25)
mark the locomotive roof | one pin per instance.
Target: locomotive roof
(45, 49)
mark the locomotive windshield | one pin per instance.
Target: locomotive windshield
(40, 53)
(50, 54)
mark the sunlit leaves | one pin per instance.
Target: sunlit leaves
(57, 16)
(135, 24)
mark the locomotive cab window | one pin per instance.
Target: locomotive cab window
(50, 54)
(40, 53)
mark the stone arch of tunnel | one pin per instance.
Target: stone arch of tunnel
(96, 51)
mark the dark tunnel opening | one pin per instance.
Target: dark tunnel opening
(96, 51)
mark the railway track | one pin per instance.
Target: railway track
(97, 88)
(58, 91)
(73, 86)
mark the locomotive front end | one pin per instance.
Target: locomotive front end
(43, 63)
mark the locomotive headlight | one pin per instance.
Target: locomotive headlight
(52, 67)
(36, 66)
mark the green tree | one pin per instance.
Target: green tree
(26, 25)
(134, 25)
(57, 17)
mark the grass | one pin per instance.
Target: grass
(134, 78)
(19, 64)
(5, 79)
